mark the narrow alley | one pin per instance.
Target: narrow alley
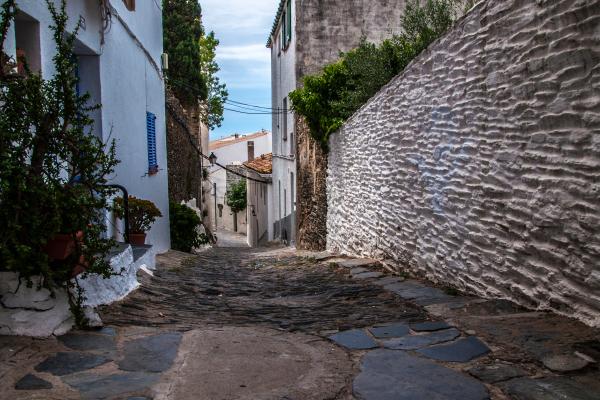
(272, 323)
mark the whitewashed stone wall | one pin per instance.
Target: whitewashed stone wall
(479, 166)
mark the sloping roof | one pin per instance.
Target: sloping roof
(262, 165)
(276, 22)
(229, 140)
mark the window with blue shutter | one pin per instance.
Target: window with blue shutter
(151, 136)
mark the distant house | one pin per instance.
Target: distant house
(306, 36)
(121, 69)
(232, 152)
(260, 199)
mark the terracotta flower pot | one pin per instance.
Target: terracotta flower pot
(61, 246)
(138, 239)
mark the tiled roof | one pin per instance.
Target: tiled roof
(229, 140)
(262, 165)
(276, 23)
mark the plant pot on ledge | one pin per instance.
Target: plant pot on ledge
(137, 239)
(62, 245)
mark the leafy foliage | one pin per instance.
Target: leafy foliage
(52, 168)
(182, 30)
(142, 213)
(329, 98)
(185, 224)
(217, 91)
(236, 196)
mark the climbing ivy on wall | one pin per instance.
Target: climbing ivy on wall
(330, 97)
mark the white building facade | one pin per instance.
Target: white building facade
(121, 69)
(232, 152)
(282, 43)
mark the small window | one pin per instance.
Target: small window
(250, 150)
(28, 50)
(130, 4)
(292, 144)
(286, 25)
(220, 210)
(284, 116)
(151, 138)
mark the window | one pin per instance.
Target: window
(28, 50)
(292, 144)
(286, 26)
(250, 150)
(151, 138)
(130, 4)
(284, 116)
(220, 210)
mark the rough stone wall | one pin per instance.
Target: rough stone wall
(311, 208)
(479, 166)
(184, 167)
(324, 29)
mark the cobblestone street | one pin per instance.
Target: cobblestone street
(271, 323)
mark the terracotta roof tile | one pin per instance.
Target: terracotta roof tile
(228, 141)
(262, 165)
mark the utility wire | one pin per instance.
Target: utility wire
(199, 152)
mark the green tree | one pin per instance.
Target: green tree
(236, 196)
(217, 91)
(329, 98)
(53, 170)
(182, 31)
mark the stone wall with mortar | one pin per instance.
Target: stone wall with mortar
(479, 165)
(185, 176)
(324, 29)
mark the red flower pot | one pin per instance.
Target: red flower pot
(138, 239)
(61, 246)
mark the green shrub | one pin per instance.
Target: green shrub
(329, 98)
(142, 213)
(236, 197)
(184, 228)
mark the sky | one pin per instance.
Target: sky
(242, 27)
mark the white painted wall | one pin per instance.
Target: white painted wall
(283, 81)
(126, 83)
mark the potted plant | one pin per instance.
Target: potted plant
(142, 214)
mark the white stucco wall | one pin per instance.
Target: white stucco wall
(478, 166)
(283, 81)
(127, 85)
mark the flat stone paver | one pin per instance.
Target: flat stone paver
(419, 293)
(553, 388)
(414, 342)
(497, 372)
(357, 262)
(462, 350)
(355, 339)
(359, 270)
(368, 275)
(389, 330)
(32, 382)
(565, 362)
(392, 375)
(429, 326)
(88, 341)
(96, 387)
(67, 363)
(150, 354)
(388, 280)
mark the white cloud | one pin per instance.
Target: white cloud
(224, 16)
(251, 52)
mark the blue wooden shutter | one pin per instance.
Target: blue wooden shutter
(151, 136)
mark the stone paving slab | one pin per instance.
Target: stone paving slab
(497, 372)
(358, 270)
(150, 354)
(553, 388)
(357, 262)
(32, 382)
(68, 363)
(368, 275)
(355, 339)
(566, 362)
(430, 326)
(392, 375)
(393, 330)
(414, 342)
(387, 280)
(88, 341)
(96, 387)
(462, 350)
(419, 293)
